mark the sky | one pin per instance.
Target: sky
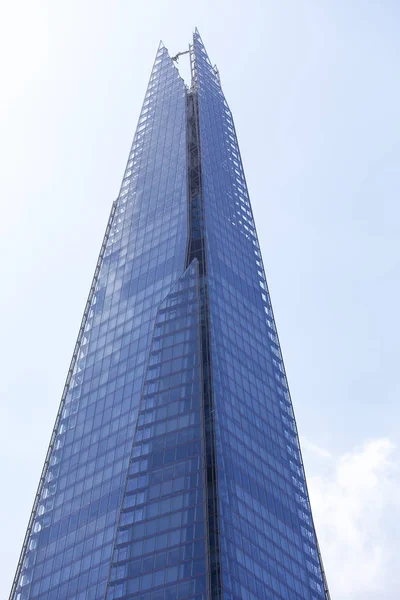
(315, 94)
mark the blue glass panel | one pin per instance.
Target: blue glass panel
(160, 545)
(174, 468)
(267, 536)
(68, 548)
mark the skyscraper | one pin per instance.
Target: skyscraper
(174, 468)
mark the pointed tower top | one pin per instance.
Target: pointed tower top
(201, 61)
(197, 35)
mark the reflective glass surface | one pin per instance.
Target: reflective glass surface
(174, 468)
(268, 544)
(68, 551)
(160, 546)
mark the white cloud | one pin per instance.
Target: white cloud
(356, 508)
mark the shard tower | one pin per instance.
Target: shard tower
(174, 469)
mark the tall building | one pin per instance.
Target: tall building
(174, 468)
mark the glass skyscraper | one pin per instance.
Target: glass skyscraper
(174, 468)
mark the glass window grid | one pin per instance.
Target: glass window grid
(247, 372)
(94, 439)
(163, 506)
(156, 543)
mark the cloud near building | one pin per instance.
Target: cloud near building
(356, 506)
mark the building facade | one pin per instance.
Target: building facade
(174, 468)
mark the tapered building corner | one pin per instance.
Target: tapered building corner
(174, 468)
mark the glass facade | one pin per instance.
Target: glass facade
(174, 468)
(267, 539)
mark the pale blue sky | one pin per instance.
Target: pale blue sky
(315, 93)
